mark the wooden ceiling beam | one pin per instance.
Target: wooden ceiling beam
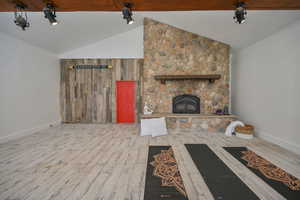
(152, 5)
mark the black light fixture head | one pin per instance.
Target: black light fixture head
(50, 13)
(127, 13)
(21, 18)
(240, 13)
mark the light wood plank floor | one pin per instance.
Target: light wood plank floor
(108, 162)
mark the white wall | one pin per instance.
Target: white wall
(124, 45)
(266, 87)
(29, 88)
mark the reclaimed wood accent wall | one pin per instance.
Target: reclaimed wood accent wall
(88, 95)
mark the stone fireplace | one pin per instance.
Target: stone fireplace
(170, 52)
(186, 104)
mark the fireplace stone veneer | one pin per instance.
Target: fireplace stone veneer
(172, 53)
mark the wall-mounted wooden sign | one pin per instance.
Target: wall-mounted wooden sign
(90, 67)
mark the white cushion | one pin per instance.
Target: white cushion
(154, 127)
(160, 127)
(146, 127)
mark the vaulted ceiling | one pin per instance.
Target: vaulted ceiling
(152, 5)
(79, 29)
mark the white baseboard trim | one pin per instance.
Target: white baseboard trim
(29, 131)
(275, 140)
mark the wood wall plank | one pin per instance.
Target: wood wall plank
(88, 95)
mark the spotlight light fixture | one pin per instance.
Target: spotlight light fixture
(21, 18)
(127, 13)
(50, 13)
(240, 13)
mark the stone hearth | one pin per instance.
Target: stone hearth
(198, 122)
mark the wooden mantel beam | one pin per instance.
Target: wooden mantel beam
(210, 77)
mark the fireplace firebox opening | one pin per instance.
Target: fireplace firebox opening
(186, 104)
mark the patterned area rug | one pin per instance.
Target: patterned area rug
(163, 179)
(283, 182)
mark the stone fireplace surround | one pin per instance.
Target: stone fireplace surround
(172, 51)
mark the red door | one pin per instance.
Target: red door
(125, 95)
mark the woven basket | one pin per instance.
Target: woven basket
(247, 129)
